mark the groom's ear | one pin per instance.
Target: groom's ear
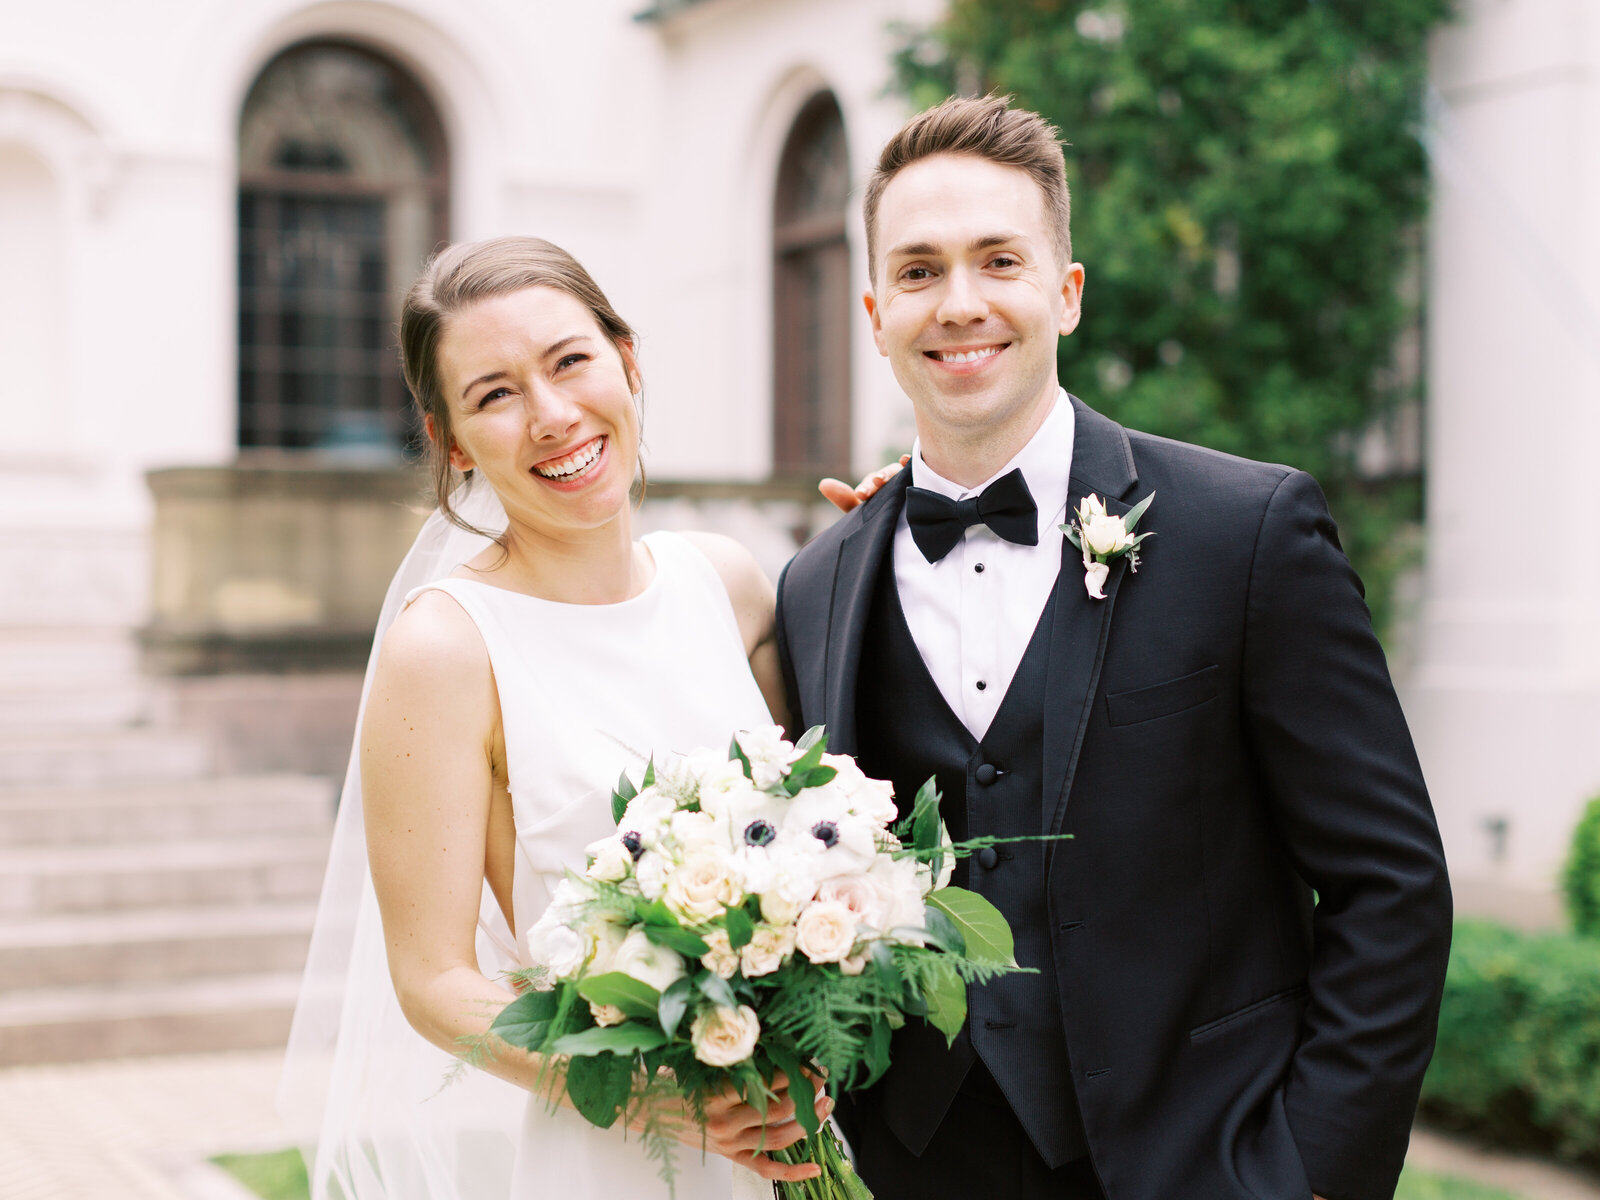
(870, 301)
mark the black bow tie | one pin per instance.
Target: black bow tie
(1005, 506)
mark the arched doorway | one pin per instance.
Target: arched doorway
(811, 301)
(342, 194)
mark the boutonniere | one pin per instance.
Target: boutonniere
(1104, 538)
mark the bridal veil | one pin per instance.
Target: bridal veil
(379, 1112)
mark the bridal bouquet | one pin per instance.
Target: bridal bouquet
(756, 912)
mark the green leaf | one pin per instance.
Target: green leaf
(715, 989)
(893, 981)
(815, 777)
(740, 928)
(801, 1089)
(625, 791)
(621, 1039)
(674, 1003)
(736, 754)
(942, 931)
(526, 1020)
(600, 1086)
(813, 736)
(876, 1051)
(650, 773)
(1131, 519)
(983, 929)
(623, 991)
(946, 998)
(809, 761)
(675, 937)
(1072, 536)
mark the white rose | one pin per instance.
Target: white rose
(768, 752)
(697, 832)
(606, 1014)
(860, 894)
(767, 950)
(725, 1037)
(700, 888)
(871, 798)
(611, 860)
(1091, 507)
(1094, 578)
(721, 959)
(608, 937)
(556, 946)
(650, 872)
(856, 963)
(647, 962)
(901, 889)
(1105, 535)
(826, 931)
(778, 908)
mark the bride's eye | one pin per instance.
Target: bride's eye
(568, 360)
(493, 395)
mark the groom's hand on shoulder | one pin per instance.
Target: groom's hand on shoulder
(844, 497)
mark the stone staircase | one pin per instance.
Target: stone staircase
(147, 904)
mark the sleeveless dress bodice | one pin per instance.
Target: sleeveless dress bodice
(586, 693)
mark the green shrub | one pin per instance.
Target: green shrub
(1518, 1057)
(1581, 880)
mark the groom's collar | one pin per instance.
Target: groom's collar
(1044, 461)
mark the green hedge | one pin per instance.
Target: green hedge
(1518, 1057)
(1581, 880)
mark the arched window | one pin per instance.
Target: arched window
(342, 194)
(811, 302)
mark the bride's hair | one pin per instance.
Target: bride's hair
(462, 275)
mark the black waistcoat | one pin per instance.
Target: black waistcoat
(907, 732)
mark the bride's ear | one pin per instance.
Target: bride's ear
(457, 456)
(630, 366)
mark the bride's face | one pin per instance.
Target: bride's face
(542, 404)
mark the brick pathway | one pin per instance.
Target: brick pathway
(132, 1129)
(139, 1129)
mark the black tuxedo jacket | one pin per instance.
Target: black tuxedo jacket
(1251, 923)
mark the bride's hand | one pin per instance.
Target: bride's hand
(844, 497)
(734, 1130)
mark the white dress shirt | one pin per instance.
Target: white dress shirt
(973, 612)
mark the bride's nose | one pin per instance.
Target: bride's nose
(551, 414)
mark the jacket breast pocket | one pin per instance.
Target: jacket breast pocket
(1162, 699)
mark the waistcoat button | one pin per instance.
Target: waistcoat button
(986, 774)
(987, 857)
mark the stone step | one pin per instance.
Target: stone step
(191, 1016)
(167, 811)
(84, 757)
(62, 706)
(148, 946)
(39, 881)
(68, 654)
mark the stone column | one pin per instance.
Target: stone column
(1505, 697)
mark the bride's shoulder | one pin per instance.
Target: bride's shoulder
(432, 638)
(749, 590)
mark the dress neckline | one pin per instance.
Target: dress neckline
(644, 593)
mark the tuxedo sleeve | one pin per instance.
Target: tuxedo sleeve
(791, 686)
(1340, 773)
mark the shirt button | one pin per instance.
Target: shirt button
(982, 685)
(978, 568)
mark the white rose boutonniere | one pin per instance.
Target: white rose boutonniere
(1104, 538)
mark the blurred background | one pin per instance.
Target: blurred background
(1357, 238)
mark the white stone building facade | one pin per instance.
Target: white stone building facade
(649, 140)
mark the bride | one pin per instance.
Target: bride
(530, 650)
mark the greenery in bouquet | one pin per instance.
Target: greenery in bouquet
(757, 913)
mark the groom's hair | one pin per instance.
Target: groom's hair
(987, 128)
(462, 275)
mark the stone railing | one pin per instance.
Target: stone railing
(279, 563)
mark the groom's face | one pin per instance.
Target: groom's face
(969, 299)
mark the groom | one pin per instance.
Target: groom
(1240, 952)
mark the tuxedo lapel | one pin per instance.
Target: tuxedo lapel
(1102, 464)
(855, 574)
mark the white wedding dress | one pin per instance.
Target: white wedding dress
(587, 692)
